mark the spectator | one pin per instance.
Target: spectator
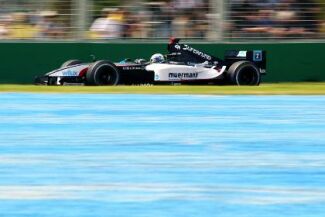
(160, 16)
(187, 5)
(275, 18)
(21, 28)
(5, 21)
(309, 14)
(288, 21)
(188, 22)
(181, 26)
(109, 26)
(200, 22)
(135, 25)
(48, 25)
(260, 25)
(264, 4)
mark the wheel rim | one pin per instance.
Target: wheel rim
(248, 76)
(106, 75)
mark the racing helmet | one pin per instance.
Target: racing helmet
(157, 58)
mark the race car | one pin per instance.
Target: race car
(182, 64)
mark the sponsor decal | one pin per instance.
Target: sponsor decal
(70, 73)
(257, 56)
(242, 53)
(178, 47)
(157, 77)
(183, 75)
(132, 68)
(196, 52)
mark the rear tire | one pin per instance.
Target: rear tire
(70, 63)
(244, 73)
(102, 73)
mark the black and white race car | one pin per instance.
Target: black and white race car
(183, 64)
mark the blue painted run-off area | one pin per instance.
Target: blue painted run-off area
(161, 156)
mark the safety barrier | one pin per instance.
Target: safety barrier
(286, 62)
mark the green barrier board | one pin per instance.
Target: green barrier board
(286, 62)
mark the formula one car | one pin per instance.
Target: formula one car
(182, 64)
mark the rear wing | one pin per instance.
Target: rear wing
(258, 57)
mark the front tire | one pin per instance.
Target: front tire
(102, 73)
(244, 73)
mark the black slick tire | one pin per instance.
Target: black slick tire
(102, 72)
(244, 73)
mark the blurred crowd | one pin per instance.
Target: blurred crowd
(276, 19)
(242, 19)
(156, 19)
(194, 19)
(32, 25)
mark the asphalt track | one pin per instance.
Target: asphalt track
(161, 155)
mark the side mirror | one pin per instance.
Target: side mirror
(93, 57)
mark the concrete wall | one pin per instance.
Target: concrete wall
(286, 62)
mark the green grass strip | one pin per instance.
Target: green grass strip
(263, 89)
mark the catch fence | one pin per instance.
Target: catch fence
(210, 20)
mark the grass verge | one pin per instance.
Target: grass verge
(263, 89)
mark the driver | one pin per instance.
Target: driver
(157, 58)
